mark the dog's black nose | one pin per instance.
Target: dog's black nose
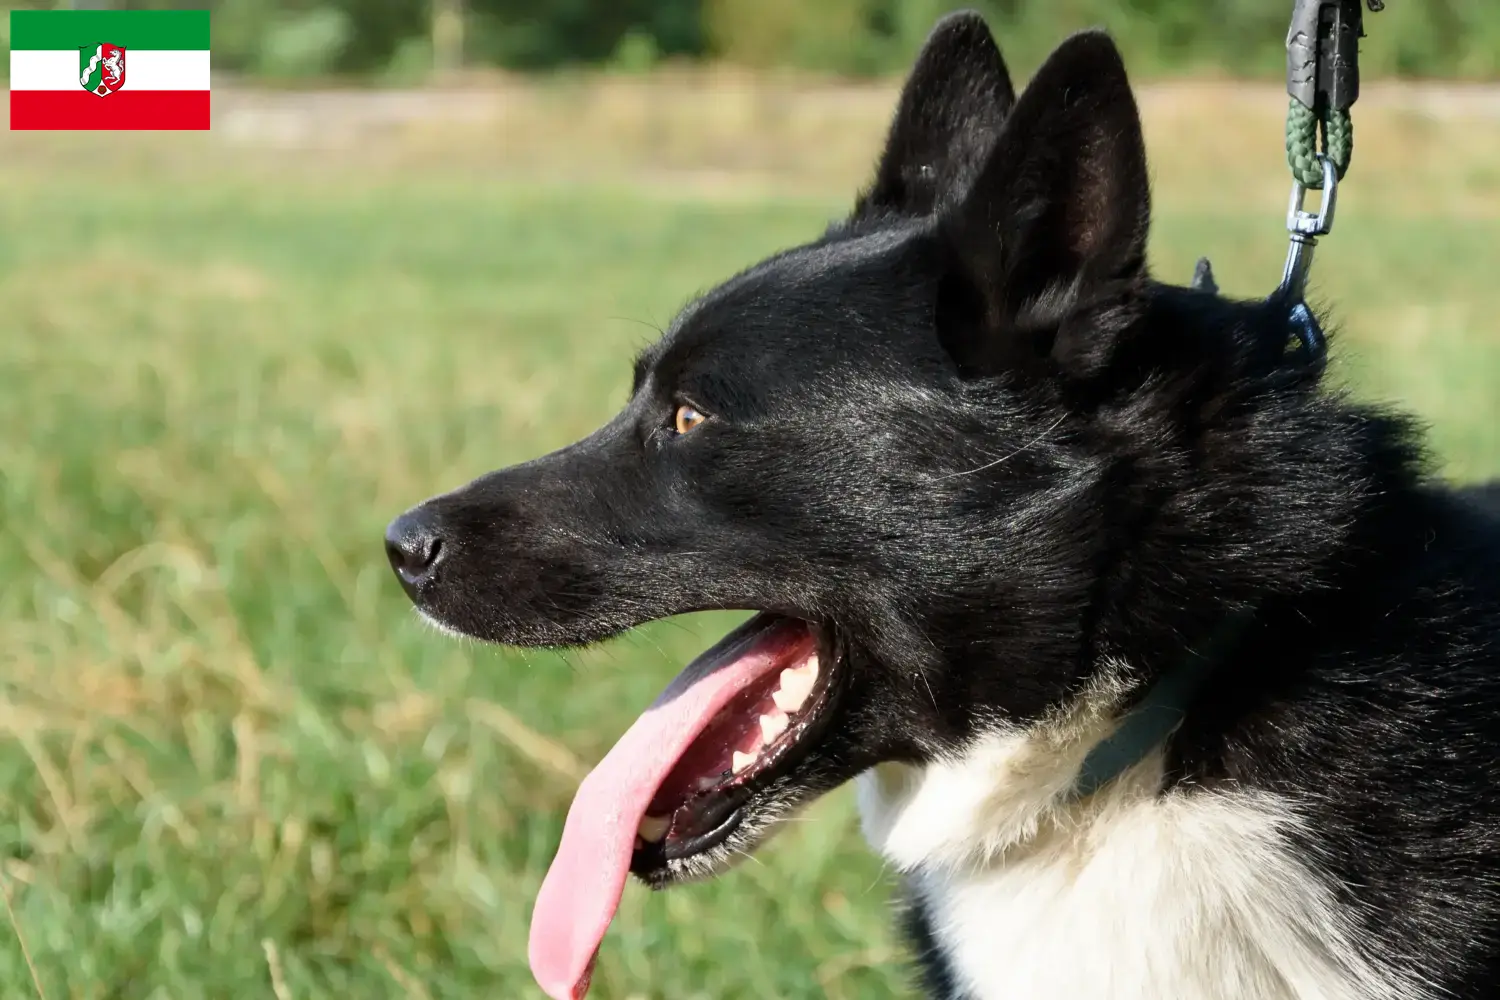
(415, 548)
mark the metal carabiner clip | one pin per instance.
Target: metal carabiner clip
(1304, 228)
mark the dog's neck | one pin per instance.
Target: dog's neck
(1144, 729)
(1301, 486)
(1023, 778)
(1004, 789)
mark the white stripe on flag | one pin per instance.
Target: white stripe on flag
(145, 69)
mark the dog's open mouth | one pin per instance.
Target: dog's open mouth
(762, 728)
(681, 780)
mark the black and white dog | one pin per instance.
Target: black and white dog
(1164, 672)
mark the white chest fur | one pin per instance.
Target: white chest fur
(1130, 895)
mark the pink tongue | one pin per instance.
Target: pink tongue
(582, 889)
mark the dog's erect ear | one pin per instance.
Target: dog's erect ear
(1051, 239)
(951, 112)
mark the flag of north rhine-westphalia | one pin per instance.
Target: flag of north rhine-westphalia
(115, 69)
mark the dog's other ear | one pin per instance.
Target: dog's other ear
(950, 113)
(1051, 239)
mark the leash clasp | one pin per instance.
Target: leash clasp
(1305, 227)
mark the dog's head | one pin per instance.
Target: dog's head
(927, 448)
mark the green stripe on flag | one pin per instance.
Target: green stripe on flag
(129, 29)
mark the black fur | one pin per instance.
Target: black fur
(937, 979)
(968, 433)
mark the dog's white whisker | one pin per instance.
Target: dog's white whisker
(1004, 458)
(922, 674)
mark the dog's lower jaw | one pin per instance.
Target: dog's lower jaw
(1136, 893)
(749, 833)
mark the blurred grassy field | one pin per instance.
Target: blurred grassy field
(233, 764)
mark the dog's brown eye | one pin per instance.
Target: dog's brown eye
(687, 418)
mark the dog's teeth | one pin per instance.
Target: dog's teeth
(653, 828)
(786, 701)
(772, 725)
(742, 761)
(796, 684)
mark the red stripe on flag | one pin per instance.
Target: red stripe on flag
(128, 109)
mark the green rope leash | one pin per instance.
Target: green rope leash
(1303, 125)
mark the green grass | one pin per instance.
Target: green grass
(233, 764)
